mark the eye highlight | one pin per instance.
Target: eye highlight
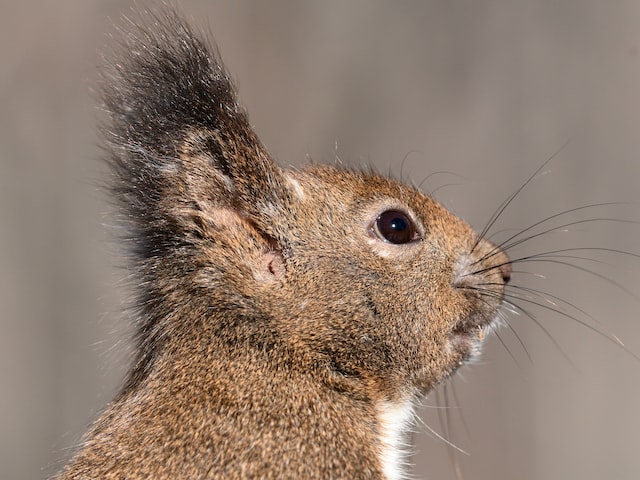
(395, 226)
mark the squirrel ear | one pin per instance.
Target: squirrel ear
(178, 137)
(253, 182)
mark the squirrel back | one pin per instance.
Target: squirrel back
(287, 319)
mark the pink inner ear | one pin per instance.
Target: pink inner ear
(267, 266)
(272, 267)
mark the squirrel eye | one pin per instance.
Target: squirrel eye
(394, 226)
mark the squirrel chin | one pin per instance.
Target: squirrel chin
(468, 341)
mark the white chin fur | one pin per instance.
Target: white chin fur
(394, 420)
(473, 342)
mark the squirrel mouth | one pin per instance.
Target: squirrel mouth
(468, 333)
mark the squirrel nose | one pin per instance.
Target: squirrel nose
(505, 270)
(504, 266)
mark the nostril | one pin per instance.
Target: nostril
(505, 271)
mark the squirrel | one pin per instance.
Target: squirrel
(287, 319)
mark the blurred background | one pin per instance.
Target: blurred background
(484, 90)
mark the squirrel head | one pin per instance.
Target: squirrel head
(351, 278)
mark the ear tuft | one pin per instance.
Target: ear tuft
(178, 139)
(166, 81)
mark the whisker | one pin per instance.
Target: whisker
(597, 249)
(542, 256)
(527, 272)
(542, 295)
(494, 217)
(503, 206)
(610, 337)
(498, 232)
(452, 445)
(559, 228)
(444, 425)
(404, 159)
(449, 429)
(456, 403)
(508, 350)
(439, 172)
(545, 331)
(433, 192)
(553, 259)
(520, 341)
(502, 244)
(434, 407)
(546, 295)
(495, 331)
(533, 318)
(433, 432)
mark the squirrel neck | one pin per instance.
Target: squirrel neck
(216, 414)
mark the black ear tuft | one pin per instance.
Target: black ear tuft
(178, 139)
(167, 81)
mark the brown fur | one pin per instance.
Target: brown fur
(274, 321)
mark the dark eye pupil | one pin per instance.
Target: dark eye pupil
(395, 227)
(398, 224)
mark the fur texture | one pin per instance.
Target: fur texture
(277, 323)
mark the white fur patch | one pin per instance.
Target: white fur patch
(380, 248)
(296, 187)
(394, 420)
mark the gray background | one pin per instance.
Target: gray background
(485, 89)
